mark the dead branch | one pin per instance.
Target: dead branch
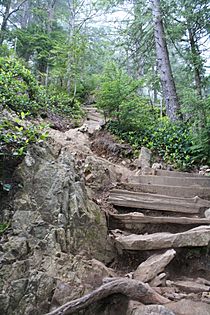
(133, 289)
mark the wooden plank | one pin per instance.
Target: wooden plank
(135, 220)
(171, 181)
(199, 236)
(156, 202)
(175, 191)
(192, 200)
(153, 206)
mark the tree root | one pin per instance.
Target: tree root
(133, 289)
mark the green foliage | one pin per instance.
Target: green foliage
(60, 102)
(137, 122)
(115, 89)
(198, 112)
(15, 136)
(21, 92)
(19, 89)
(201, 145)
(171, 142)
(4, 227)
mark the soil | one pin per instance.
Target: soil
(105, 145)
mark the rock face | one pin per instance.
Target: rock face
(144, 158)
(55, 229)
(188, 307)
(155, 264)
(150, 310)
(102, 174)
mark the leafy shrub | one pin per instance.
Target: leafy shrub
(197, 110)
(15, 137)
(19, 89)
(115, 87)
(170, 141)
(21, 92)
(201, 145)
(60, 102)
(135, 121)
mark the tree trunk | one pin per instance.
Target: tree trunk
(26, 15)
(4, 21)
(164, 66)
(195, 61)
(51, 11)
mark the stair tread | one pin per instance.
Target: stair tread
(125, 198)
(159, 172)
(136, 219)
(173, 191)
(199, 236)
(171, 181)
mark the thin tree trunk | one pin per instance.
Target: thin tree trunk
(51, 11)
(4, 21)
(164, 66)
(195, 57)
(47, 76)
(26, 15)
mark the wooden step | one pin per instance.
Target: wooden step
(197, 237)
(171, 181)
(129, 199)
(176, 174)
(135, 220)
(175, 191)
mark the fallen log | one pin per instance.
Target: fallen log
(133, 289)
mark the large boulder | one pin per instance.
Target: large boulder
(56, 237)
(137, 309)
(189, 307)
(144, 159)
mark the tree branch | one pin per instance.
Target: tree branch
(16, 9)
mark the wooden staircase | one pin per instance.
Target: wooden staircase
(166, 199)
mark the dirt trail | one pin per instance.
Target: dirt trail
(139, 237)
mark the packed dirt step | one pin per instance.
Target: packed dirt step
(175, 191)
(138, 200)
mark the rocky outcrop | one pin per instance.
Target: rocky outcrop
(102, 174)
(189, 307)
(149, 310)
(55, 230)
(144, 160)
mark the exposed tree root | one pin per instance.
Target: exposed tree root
(135, 290)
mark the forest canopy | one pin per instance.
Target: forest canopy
(142, 63)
